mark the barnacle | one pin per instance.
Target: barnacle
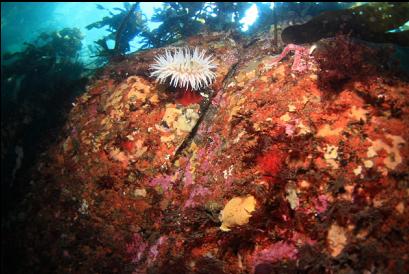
(185, 68)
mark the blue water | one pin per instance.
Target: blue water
(23, 22)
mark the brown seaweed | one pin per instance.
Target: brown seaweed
(370, 22)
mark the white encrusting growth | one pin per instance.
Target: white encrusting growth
(185, 68)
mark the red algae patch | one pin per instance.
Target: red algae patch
(270, 162)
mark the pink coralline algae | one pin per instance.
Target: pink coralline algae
(136, 248)
(289, 129)
(218, 99)
(155, 249)
(206, 166)
(318, 205)
(199, 191)
(274, 253)
(302, 57)
(188, 176)
(164, 182)
(321, 204)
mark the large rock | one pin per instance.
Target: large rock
(140, 177)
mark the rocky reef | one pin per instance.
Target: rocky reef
(269, 170)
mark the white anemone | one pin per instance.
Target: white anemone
(185, 68)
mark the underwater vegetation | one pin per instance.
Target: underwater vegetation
(184, 19)
(209, 150)
(123, 27)
(38, 85)
(370, 22)
(180, 20)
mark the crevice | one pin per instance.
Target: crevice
(205, 107)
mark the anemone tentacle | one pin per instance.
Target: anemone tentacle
(185, 68)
